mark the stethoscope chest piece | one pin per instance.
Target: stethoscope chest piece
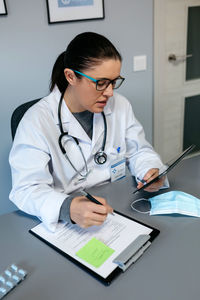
(100, 158)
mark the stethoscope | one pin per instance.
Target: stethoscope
(100, 157)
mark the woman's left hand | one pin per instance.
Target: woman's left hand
(150, 175)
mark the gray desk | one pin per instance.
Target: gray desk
(169, 270)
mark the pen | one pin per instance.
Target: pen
(91, 198)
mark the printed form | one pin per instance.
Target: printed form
(95, 247)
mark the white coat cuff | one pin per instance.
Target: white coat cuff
(50, 213)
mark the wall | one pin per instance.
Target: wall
(29, 47)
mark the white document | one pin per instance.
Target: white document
(117, 232)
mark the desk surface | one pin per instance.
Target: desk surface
(169, 270)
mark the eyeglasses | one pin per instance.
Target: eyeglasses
(103, 83)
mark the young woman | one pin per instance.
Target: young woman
(69, 140)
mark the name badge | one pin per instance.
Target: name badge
(118, 169)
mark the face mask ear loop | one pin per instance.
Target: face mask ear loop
(138, 200)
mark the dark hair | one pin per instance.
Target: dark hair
(85, 50)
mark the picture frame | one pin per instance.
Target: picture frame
(60, 11)
(3, 8)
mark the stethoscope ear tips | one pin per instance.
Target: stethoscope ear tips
(100, 158)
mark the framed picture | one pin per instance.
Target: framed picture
(74, 10)
(3, 9)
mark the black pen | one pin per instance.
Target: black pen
(91, 198)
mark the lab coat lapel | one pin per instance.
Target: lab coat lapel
(98, 132)
(76, 130)
(71, 124)
(99, 128)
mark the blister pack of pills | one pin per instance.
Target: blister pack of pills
(10, 278)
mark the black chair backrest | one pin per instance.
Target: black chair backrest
(18, 114)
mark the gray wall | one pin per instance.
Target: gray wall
(29, 47)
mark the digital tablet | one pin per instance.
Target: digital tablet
(169, 168)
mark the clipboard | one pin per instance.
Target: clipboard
(169, 168)
(118, 262)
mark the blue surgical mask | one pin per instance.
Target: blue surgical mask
(174, 202)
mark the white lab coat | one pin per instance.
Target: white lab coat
(42, 177)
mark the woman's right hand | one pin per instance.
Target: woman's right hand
(86, 213)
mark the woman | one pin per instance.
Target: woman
(69, 140)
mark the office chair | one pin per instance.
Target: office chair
(18, 114)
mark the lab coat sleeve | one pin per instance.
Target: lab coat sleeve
(139, 153)
(33, 188)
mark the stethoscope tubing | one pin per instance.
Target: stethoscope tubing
(100, 157)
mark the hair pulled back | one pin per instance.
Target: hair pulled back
(84, 51)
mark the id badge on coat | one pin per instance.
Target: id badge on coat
(118, 169)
